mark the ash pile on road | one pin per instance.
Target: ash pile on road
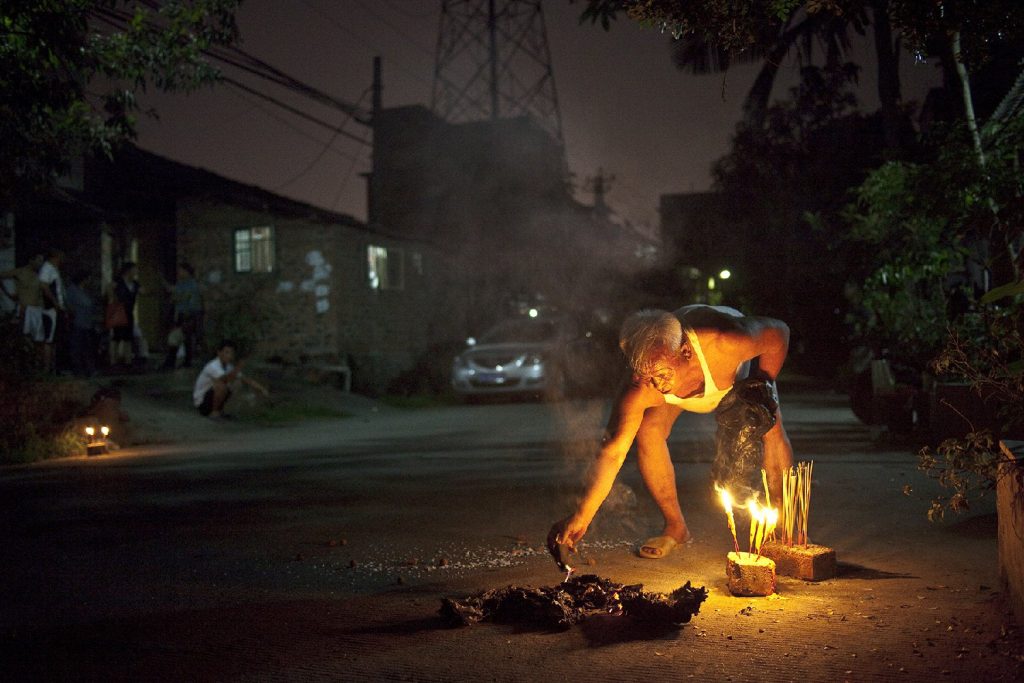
(570, 602)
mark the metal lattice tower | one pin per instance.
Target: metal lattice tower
(493, 62)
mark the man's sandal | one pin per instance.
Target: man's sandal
(659, 547)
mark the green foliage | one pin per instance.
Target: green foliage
(234, 318)
(36, 412)
(71, 72)
(907, 236)
(740, 25)
(916, 230)
(986, 350)
(969, 467)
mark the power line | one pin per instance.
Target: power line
(289, 124)
(344, 183)
(318, 157)
(251, 64)
(394, 28)
(287, 107)
(372, 49)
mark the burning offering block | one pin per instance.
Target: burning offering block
(808, 562)
(750, 575)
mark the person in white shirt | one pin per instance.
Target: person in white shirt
(54, 309)
(687, 360)
(213, 385)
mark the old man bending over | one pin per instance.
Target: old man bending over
(700, 359)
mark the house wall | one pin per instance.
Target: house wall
(289, 313)
(318, 305)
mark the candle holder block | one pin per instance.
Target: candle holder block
(750, 575)
(808, 562)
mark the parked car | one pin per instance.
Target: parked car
(550, 356)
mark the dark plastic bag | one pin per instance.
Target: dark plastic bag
(744, 416)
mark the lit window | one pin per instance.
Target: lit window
(254, 250)
(385, 268)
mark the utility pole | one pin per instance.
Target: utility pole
(600, 185)
(493, 62)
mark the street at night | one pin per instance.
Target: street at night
(322, 551)
(512, 340)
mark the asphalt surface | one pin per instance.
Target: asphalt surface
(320, 551)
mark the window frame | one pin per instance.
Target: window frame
(251, 252)
(394, 268)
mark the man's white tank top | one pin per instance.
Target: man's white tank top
(712, 395)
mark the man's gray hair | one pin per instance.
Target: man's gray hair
(647, 336)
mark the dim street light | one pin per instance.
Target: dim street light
(725, 274)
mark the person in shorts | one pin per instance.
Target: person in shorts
(33, 322)
(213, 385)
(688, 360)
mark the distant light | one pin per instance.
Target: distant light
(711, 283)
(533, 312)
(725, 274)
(89, 431)
(105, 431)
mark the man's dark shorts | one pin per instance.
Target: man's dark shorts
(206, 407)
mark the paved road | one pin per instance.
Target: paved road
(320, 552)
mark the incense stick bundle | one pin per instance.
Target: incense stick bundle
(808, 467)
(770, 534)
(789, 502)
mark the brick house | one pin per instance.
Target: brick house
(298, 283)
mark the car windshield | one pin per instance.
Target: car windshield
(528, 330)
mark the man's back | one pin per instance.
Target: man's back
(29, 292)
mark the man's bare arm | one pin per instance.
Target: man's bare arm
(622, 427)
(766, 339)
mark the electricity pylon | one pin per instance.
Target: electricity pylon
(493, 62)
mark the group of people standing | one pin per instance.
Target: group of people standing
(64, 320)
(42, 303)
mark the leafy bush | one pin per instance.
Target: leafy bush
(37, 412)
(991, 359)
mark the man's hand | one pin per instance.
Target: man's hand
(569, 531)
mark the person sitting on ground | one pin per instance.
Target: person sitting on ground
(687, 360)
(213, 385)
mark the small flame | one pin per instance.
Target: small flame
(90, 431)
(725, 497)
(756, 511)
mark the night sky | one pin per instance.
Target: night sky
(625, 108)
